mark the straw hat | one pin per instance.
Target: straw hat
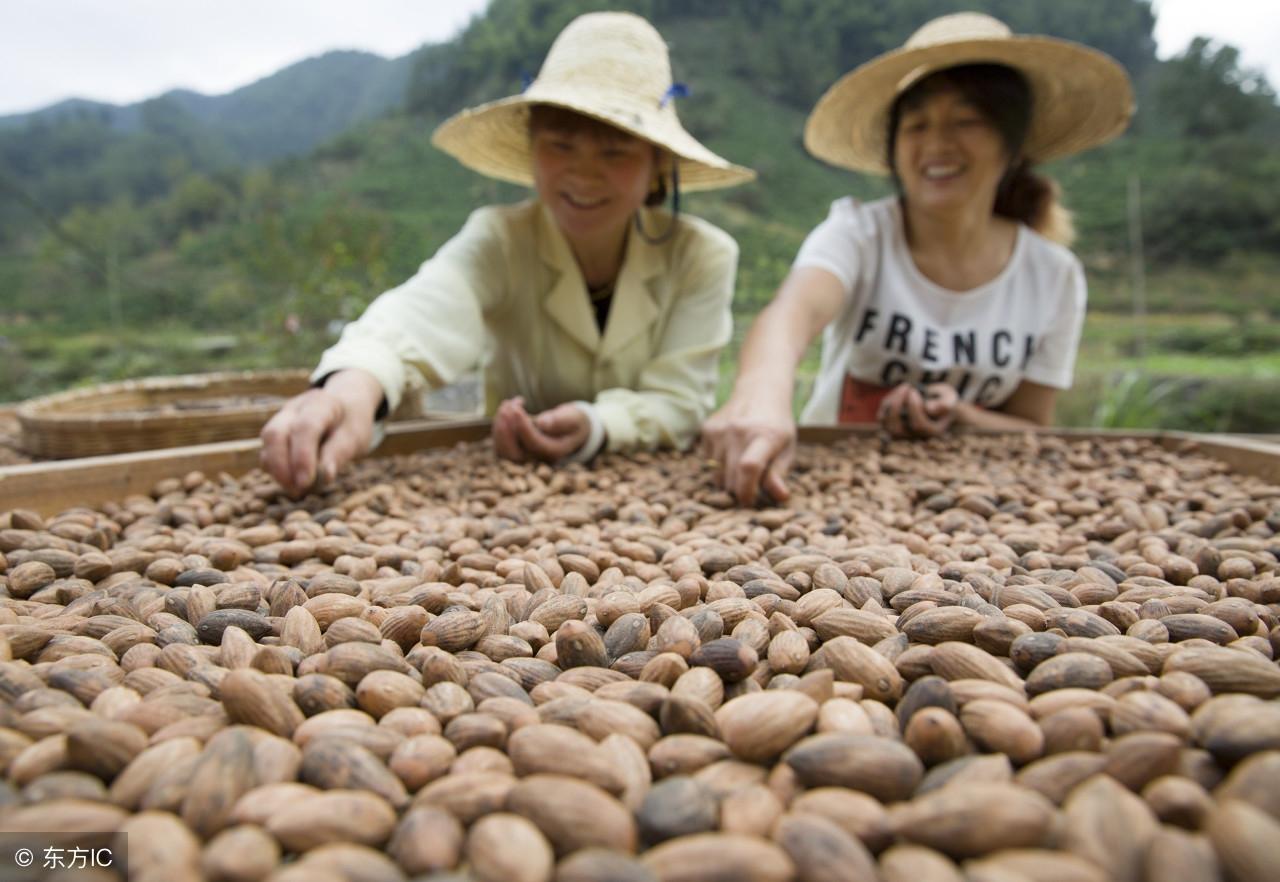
(1080, 97)
(611, 66)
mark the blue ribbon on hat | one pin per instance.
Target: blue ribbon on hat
(526, 80)
(675, 90)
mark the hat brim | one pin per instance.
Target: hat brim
(1080, 98)
(493, 139)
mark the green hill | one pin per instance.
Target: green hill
(289, 112)
(81, 152)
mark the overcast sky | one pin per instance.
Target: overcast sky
(121, 51)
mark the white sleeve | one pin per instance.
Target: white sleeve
(430, 329)
(1054, 360)
(836, 244)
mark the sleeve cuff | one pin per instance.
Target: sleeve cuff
(595, 436)
(379, 416)
(815, 261)
(386, 368)
(379, 433)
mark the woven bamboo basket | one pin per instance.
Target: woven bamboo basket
(155, 412)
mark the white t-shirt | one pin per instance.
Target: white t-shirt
(898, 326)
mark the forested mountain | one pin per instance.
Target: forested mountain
(156, 212)
(81, 152)
(290, 111)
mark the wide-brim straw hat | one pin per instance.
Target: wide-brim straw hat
(610, 66)
(1080, 97)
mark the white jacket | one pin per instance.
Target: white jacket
(506, 293)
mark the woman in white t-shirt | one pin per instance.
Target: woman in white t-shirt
(956, 302)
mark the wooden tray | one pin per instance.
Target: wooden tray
(49, 488)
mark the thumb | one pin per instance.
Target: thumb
(774, 482)
(339, 448)
(555, 421)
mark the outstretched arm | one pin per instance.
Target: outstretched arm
(753, 436)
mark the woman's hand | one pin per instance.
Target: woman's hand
(321, 430)
(550, 436)
(753, 449)
(919, 412)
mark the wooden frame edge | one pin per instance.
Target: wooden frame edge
(51, 487)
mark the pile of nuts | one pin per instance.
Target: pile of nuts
(994, 659)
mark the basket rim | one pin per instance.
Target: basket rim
(45, 409)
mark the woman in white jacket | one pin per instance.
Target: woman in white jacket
(598, 316)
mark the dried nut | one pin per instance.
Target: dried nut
(1245, 839)
(676, 806)
(705, 856)
(507, 848)
(333, 816)
(563, 751)
(885, 769)
(1106, 824)
(573, 814)
(975, 820)
(823, 850)
(761, 726)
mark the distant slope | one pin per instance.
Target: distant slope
(288, 112)
(89, 154)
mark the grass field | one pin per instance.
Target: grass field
(1196, 370)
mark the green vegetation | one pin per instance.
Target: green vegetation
(123, 231)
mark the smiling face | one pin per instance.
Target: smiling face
(953, 135)
(591, 176)
(947, 154)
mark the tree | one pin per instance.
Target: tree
(1205, 93)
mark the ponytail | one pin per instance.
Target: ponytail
(1033, 200)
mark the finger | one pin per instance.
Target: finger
(304, 448)
(535, 443)
(500, 431)
(341, 447)
(562, 420)
(505, 443)
(911, 412)
(774, 485)
(543, 446)
(312, 422)
(554, 449)
(522, 425)
(711, 448)
(774, 482)
(711, 438)
(706, 447)
(917, 419)
(731, 453)
(891, 412)
(751, 468)
(274, 456)
(891, 402)
(941, 401)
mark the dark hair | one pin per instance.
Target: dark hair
(1003, 96)
(543, 117)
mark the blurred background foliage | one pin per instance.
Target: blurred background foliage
(191, 232)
